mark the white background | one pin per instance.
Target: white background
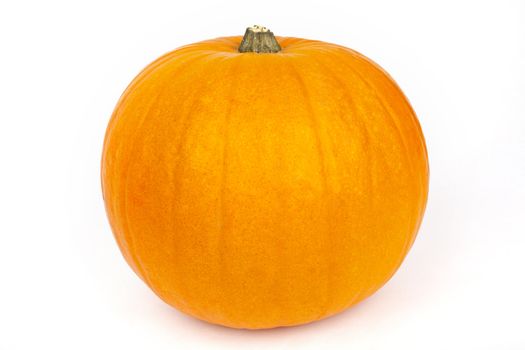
(63, 65)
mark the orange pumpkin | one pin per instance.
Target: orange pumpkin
(269, 187)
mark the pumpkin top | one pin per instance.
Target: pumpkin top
(258, 29)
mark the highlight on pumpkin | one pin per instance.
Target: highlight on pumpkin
(264, 181)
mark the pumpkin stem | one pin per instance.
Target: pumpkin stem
(259, 40)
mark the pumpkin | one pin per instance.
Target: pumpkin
(264, 181)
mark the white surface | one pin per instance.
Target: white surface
(63, 65)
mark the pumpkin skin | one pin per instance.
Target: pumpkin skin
(264, 190)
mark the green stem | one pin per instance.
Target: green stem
(259, 40)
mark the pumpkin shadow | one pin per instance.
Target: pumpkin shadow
(233, 335)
